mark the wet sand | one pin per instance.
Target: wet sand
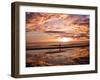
(56, 57)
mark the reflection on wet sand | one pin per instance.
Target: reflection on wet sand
(54, 57)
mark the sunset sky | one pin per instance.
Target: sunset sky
(57, 39)
(43, 22)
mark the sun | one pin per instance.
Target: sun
(65, 39)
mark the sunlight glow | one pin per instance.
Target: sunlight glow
(65, 39)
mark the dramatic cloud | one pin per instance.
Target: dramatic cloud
(69, 23)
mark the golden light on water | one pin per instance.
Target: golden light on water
(64, 39)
